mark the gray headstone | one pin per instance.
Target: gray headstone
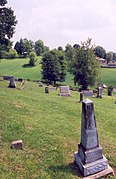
(47, 89)
(99, 92)
(12, 83)
(18, 145)
(88, 93)
(64, 91)
(40, 84)
(89, 157)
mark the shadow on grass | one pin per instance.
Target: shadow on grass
(70, 168)
(27, 66)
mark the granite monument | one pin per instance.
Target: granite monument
(89, 157)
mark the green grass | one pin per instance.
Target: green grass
(49, 126)
(15, 67)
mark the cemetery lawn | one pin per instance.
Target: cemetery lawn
(49, 126)
(15, 67)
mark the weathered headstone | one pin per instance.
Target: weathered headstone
(40, 84)
(12, 83)
(64, 91)
(89, 157)
(46, 89)
(99, 92)
(88, 93)
(18, 145)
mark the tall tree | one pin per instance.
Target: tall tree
(100, 52)
(53, 66)
(85, 66)
(69, 52)
(24, 47)
(7, 26)
(39, 47)
(109, 57)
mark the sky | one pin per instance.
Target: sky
(61, 22)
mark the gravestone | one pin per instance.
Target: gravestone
(40, 84)
(12, 83)
(64, 91)
(6, 77)
(88, 93)
(18, 145)
(99, 92)
(89, 157)
(46, 89)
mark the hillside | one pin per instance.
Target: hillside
(49, 126)
(15, 67)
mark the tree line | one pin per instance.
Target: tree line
(79, 60)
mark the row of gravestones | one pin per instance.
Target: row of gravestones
(89, 157)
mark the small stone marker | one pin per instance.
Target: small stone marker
(18, 145)
(64, 91)
(12, 83)
(46, 89)
(88, 93)
(99, 93)
(89, 157)
(40, 84)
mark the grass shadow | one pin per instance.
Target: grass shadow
(27, 66)
(70, 168)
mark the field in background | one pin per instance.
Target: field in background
(49, 126)
(15, 67)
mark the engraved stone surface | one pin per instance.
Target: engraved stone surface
(64, 91)
(89, 157)
(12, 83)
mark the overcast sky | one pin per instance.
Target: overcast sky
(59, 22)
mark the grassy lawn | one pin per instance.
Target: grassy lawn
(49, 126)
(15, 67)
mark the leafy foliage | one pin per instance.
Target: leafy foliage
(53, 66)
(85, 66)
(100, 52)
(11, 54)
(23, 47)
(33, 58)
(7, 26)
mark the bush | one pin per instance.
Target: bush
(33, 58)
(11, 54)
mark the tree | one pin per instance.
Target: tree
(7, 26)
(33, 58)
(69, 52)
(85, 66)
(109, 57)
(53, 66)
(100, 52)
(24, 47)
(11, 54)
(39, 47)
(114, 57)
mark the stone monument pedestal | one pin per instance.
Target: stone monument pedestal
(92, 167)
(89, 157)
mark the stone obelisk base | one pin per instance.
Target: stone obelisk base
(103, 173)
(92, 167)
